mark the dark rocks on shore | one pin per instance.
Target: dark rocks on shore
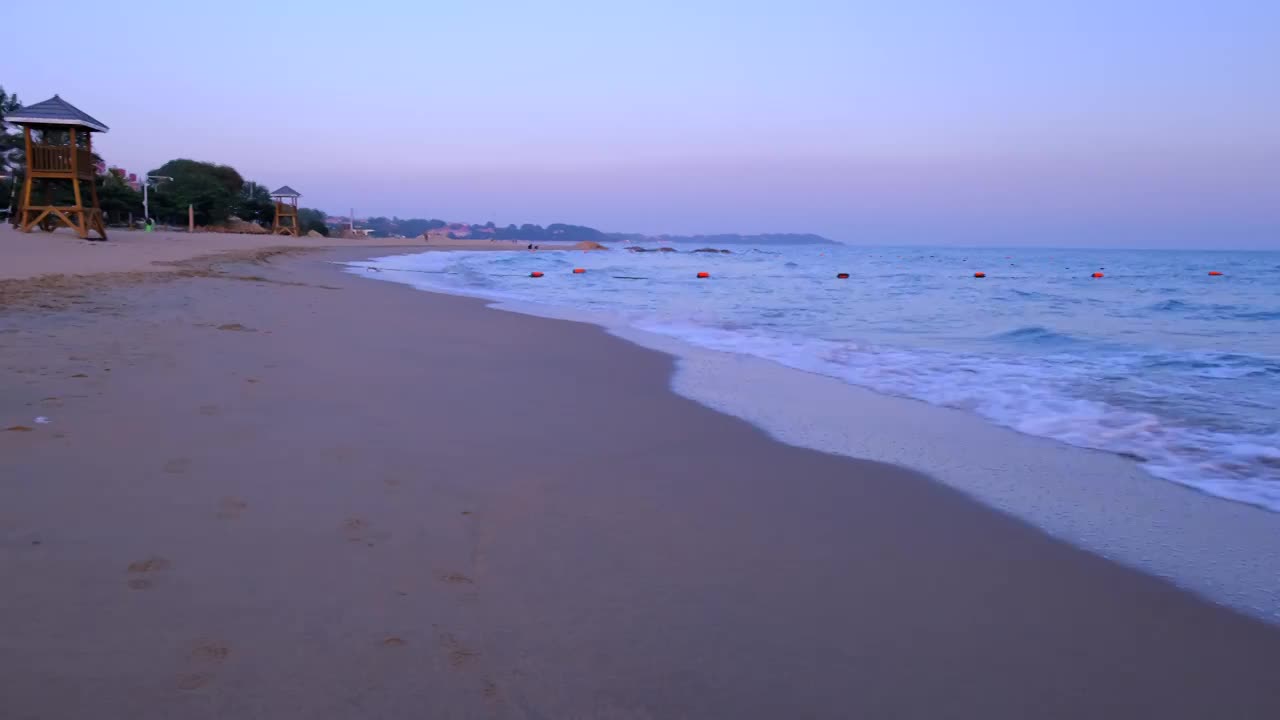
(638, 249)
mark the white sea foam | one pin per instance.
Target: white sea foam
(1045, 379)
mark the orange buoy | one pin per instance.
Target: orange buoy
(535, 273)
(1214, 272)
(979, 275)
(1097, 275)
(704, 274)
(579, 271)
(842, 276)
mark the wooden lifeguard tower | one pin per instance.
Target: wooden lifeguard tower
(286, 222)
(59, 144)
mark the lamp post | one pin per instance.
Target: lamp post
(146, 183)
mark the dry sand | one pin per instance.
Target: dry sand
(26, 255)
(277, 491)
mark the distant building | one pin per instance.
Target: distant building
(130, 179)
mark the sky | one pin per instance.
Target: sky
(1126, 123)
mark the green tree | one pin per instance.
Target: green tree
(256, 204)
(312, 219)
(213, 190)
(116, 198)
(11, 153)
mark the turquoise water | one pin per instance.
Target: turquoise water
(1156, 360)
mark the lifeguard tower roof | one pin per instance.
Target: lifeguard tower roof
(55, 111)
(286, 191)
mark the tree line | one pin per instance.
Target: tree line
(555, 232)
(215, 192)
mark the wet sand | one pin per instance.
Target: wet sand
(288, 492)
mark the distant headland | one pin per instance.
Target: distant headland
(555, 232)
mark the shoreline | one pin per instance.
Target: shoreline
(1224, 550)
(379, 498)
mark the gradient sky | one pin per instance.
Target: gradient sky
(1124, 123)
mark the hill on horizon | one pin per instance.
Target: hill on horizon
(730, 239)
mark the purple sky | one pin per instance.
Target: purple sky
(1133, 123)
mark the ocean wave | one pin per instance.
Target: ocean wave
(1034, 398)
(1258, 315)
(1035, 335)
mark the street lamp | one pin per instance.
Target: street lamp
(146, 183)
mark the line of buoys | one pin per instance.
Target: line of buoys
(704, 275)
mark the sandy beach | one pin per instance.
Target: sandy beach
(264, 488)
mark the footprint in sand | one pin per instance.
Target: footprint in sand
(231, 507)
(393, 642)
(193, 681)
(209, 410)
(353, 528)
(177, 466)
(358, 530)
(236, 327)
(142, 572)
(457, 579)
(203, 660)
(459, 655)
(210, 652)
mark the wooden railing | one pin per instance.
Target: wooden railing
(51, 158)
(84, 162)
(57, 158)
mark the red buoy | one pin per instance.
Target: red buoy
(1097, 275)
(842, 276)
(1214, 272)
(704, 274)
(979, 275)
(535, 273)
(579, 271)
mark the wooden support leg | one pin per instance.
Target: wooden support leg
(82, 224)
(26, 203)
(96, 215)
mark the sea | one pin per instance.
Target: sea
(1156, 359)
